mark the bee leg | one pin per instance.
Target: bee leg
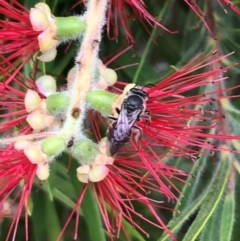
(147, 116)
(138, 134)
(117, 110)
(147, 112)
(112, 118)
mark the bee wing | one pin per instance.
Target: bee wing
(120, 132)
(126, 121)
(122, 126)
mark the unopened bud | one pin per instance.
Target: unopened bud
(38, 19)
(101, 100)
(57, 103)
(37, 120)
(34, 154)
(53, 145)
(46, 85)
(85, 150)
(46, 42)
(42, 171)
(49, 55)
(21, 145)
(31, 100)
(44, 8)
(110, 76)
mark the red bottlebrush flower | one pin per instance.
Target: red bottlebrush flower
(131, 179)
(181, 122)
(21, 100)
(18, 39)
(124, 185)
(15, 168)
(12, 99)
(119, 15)
(198, 11)
(120, 12)
(230, 4)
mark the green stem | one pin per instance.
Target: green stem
(149, 43)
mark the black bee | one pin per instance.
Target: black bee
(132, 109)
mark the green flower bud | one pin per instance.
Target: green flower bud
(53, 145)
(101, 101)
(85, 151)
(57, 103)
(69, 27)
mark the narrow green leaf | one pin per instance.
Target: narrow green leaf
(189, 189)
(203, 179)
(236, 224)
(44, 215)
(233, 117)
(176, 223)
(63, 198)
(228, 215)
(132, 232)
(211, 230)
(211, 201)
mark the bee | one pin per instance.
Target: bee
(133, 108)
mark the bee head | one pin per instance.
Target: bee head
(139, 92)
(136, 99)
(134, 102)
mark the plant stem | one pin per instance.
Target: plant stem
(86, 62)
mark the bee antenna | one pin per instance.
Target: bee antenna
(151, 85)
